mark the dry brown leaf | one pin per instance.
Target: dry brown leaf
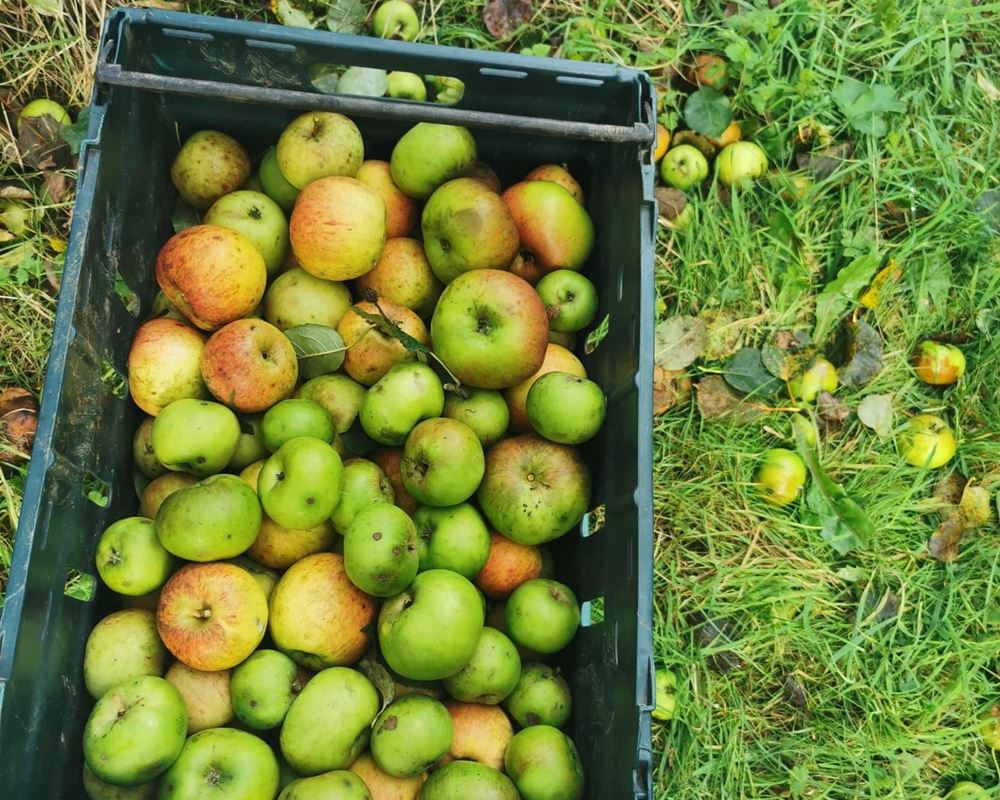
(965, 508)
(39, 143)
(163, 5)
(716, 399)
(670, 388)
(12, 191)
(832, 411)
(56, 184)
(502, 17)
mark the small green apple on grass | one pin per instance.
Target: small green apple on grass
(570, 300)
(42, 107)
(542, 615)
(274, 184)
(380, 550)
(410, 735)
(740, 164)
(406, 86)
(820, 377)
(293, 418)
(196, 436)
(927, 442)
(780, 476)
(130, 558)
(452, 537)
(396, 19)
(565, 408)
(684, 167)
(263, 688)
(299, 485)
(224, 762)
(967, 790)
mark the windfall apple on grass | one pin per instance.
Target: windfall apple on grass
(298, 538)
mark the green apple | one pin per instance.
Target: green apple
(543, 615)
(739, 164)
(430, 154)
(225, 763)
(452, 537)
(781, 476)
(683, 167)
(196, 436)
(461, 780)
(263, 688)
(319, 144)
(410, 735)
(820, 377)
(209, 165)
(407, 394)
(967, 790)
(130, 558)
(121, 646)
(42, 107)
(927, 442)
(339, 394)
(467, 226)
(406, 86)
(938, 364)
(565, 408)
(541, 697)
(570, 300)
(292, 418)
(266, 578)
(443, 462)
(96, 789)
(492, 673)
(142, 450)
(16, 218)
(396, 19)
(666, 697)
(447, 89)
(259, 219)
(544, 765)
(431, 630)
(380, 550)
(274, 184)
(364, 485)
(337, 784)
(483, 410)
(328, 724)
(299, 485)
(135, 731)
(206, 695)
(298, 298)
(250, 447)
(213, 519)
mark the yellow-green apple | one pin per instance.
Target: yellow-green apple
(401, 210)
(196, 436)
(318, 617)
(96, 789)
(404, 277)
(206, 696)
(43, 107)
(430, 630)
(491, 674)
(967, 790)
(338, 228)
(410, 735)
(142, 450)
(508, 565)
(123, 645)
(319, 144)
(937, 363)
(485, 174)
(430, 154)
(570, 300)
(212, 274)
(481, 733)
(443, 462)
(534, 490)
(211, 616)
(565, 408)
(543, 763)
(447, 89)
(135, 731)
(555, 230)
(467, 226)
(483, 410)
(209, 165)
(405, 86)
(250, 447)
(164, 364)
(263, 688)
(295, 417)
(259, 219)
(683, 167)
(405, 395)
(274, 184)
(380, 550)
(339, 394)
(299, 485)
(384, 786)
(820, 377)
(159, 489)
(298, 298)
(224, 762)
(490, 329)
(461, 779)
(927, 442)
(328, 724)
(371, 352)
(396, 19)
(543, 615)
(251, 472)
(278, 547)
(249, 365)
(557, 174)
(390, 459)
(557, 359)
(364, 485)
(541, 697)
(740, 163)
(453, 537)
(780, 476)
(266, 578)
(130, 558)
(338, 783)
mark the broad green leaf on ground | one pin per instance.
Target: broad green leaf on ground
(74, 134)
(875, 412)
(503, 17)
(831, 411)
(864, 354)
(679, 341)
(934, 285)
(345, 16)
(787, 354)
(364, 81)
(319, 349)
(184, 216)
(866, 106)
(708, 111)
(294, 13)
(745, 372)
(842, 292)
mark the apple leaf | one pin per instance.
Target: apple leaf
(319, 349)
(840, 293)
(345, 16)
(679, 341)
(503, 17)
(74, 134)
(364, 81)
(864, 355)
(294, 13)
(875, 412)
(707, 111)
(746, 373)
(381, 678)
(391, 329)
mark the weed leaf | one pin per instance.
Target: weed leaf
(864, 106)
(678, 342)
(875, 412)
(746, 373)
(864, 355)
(707, 111)
(840, 293)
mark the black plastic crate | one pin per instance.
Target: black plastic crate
(164, 75)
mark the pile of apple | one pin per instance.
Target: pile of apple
(301, 621)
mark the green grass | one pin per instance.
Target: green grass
(896, 653)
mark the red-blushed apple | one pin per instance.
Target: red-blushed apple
(318, 617)
(937, 363)
(159, 489)
(491, 674)
(263, 688)
(364, 485)
(534, 490)
(483, 410)
(319, 144)
(212, 274)
(298, 298)
(543, 615)
(490, 329)
(557, 174)
(401, 211)
(130, 558)
(481, 733)
(403, 276)
(443, 462)
(209, 165)
(452, 537)
(543, 763)
(384, 786)
(206, 696)
(541, 697)
(557, 359)
(410, 735)
(299, 485)
(196, 436)
(249, 365)
(123, 645)
(337, 228)
(466, 779)
(390, 459)
(278, 547)
(164, 364)
(527, 269)
(223, 762)
(508, 565)
(211, 616)
(371, 352)
(430, 154)
(555, 230)
(259, 219)
(142, 450)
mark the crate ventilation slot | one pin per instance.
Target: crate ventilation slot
(494, 72)
(573, 80)
(281, 47)
(592, 521)
(592, 612)
(113, 379)
(197, 36)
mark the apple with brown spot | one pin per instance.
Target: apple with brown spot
(249, 365)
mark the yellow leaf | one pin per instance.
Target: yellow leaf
(887, 276)
(974, 506)
(57, 243)
(988, 87)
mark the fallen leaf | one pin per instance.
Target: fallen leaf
(964, 507)
(670, 388)
(319, 349)
(988, 87)
(56, 184)
(840, 293)
(823, 163)
(884, 607)
(974, 506)
(503, 17)
(875, 412)
(787, 354)
(596, 336)
(793, 692)
(162, 5)
(679, 341)
(886, 277)
(715, 399)
(832, 411)
(710, 633)
(948, 491)
(725, 334)
(670, 203)
(745, 372)
(48, 8)
(864, 355)
(39, 143)
(380, 678)
(345, 16)
(943, 544)
(11, 191)
(707, 111)
(74, 134)
(364, 81)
